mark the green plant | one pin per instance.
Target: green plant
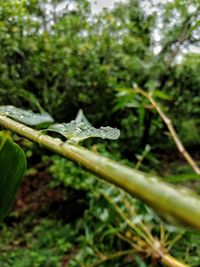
(171, 201)
(136, 183)
(53, 51)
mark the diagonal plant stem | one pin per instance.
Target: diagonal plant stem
(142, 157)
(171, 129)
(178, 203)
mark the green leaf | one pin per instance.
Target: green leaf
(160, 94)
(77, 132)
(182, 177)
(12, 168)
(27, 117)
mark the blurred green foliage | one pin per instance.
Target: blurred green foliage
(57, 52)
(66, 56)
(28, 246)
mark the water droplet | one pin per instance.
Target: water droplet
(103, 135)
(78, 130)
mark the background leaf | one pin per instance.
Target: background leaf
(27, 117)
(12, 168)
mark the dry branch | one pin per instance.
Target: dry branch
(171, 129)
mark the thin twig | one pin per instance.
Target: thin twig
(113, 256)
(171, 129)
(142, 157)
(172, 262)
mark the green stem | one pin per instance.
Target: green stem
(113, 256)
(182, 204)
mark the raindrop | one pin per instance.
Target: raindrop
(78, 130)
(103, 135)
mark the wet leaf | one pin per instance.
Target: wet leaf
(78, 131)
(27, 116)
(80, 117)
